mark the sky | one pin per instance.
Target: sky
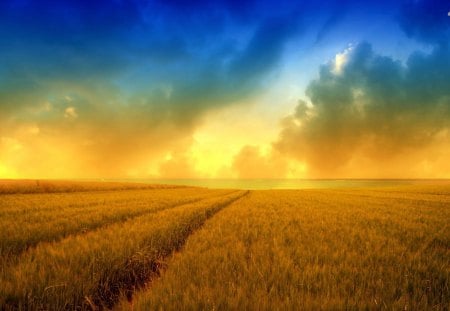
(224, 89)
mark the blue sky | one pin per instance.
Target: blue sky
(195, 88)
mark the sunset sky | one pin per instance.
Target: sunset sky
(224, 89)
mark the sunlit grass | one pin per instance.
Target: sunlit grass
(194, 248)
(27, 219)
(92, 269)
(296, 250)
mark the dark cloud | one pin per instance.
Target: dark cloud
(376, 108)
(336, 13)
(208, 54)
(264, 49)
(189, 47)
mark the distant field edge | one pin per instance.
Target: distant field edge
(19, 186)
(288, 183)
(24, 186)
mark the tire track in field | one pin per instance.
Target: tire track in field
(131, 278)
(8, 254)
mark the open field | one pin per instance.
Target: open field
(145, 248)
(29, 219)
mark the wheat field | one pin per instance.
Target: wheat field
(94, 246)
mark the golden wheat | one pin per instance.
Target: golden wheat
(65, 247)
(92, 268)
(27, 219)
(309, 250)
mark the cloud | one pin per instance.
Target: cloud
(137, 76)
(376, 110)
(337, 13)
(136, 47)
(340, 60)
(264, 49)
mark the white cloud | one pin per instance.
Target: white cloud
(340, 60)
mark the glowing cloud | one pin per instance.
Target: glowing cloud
(340, 60)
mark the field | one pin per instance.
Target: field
(83, 246)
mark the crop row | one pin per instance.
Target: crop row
(34, 218)
(310, 250)
(94, 269)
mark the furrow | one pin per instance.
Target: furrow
(143, 267)
(14, 246)
(84, 271)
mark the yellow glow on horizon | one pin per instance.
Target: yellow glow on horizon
(7, 173)
(224, 133)
(231, 142)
